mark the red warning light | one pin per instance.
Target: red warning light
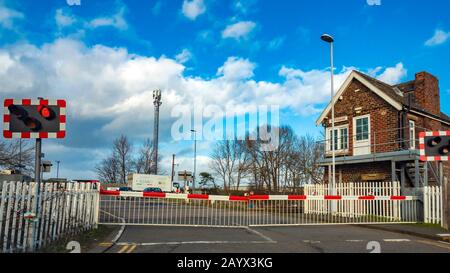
(45, 112)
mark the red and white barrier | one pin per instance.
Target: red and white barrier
(253, 197)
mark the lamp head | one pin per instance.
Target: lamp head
(327, 38)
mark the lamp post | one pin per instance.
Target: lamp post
(330, 40)
(195, 159)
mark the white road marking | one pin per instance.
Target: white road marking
(443, 235)
(397, 240)
(354, 241)
(311, 242)
(267, 238)
(196, 242)
(122, 227)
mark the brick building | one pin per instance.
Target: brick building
(377, 127)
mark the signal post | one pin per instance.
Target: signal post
(38, 119)
(435, 146)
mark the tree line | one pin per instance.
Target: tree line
(233, 163)
(285, 169)
(124, 159)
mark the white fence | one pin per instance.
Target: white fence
(432, 204)
(352, 208)
(65, 209)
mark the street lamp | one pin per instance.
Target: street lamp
(329, 39)
(195, 159)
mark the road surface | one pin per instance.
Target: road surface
(295, 239)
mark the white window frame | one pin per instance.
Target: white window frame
(355, 126)
(339, 140)
(412, 134)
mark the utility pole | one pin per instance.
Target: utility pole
(157, 103)
(173, 167)
(195, 160)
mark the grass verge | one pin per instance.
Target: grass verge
(86, 239)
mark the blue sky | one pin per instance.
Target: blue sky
(105, 57)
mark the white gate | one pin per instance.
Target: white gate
(137, 208)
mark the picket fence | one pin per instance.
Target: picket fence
(351, 208)
(432, 204)
(66, 209)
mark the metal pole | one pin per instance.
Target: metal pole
(446, 204)
(37, 178)
(157, 103)
(57, 169)
(20, 155)
(195, 161)
(333, 185)
(173, 167)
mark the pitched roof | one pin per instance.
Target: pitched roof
(403, 87)
(445, 117)
(386, 88)
(395, 94)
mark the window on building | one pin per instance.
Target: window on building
(412, 134)
(362, 128)
(344, 138)
(339, 142)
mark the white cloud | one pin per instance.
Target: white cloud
(116, 20)
(392, 75)
(236, 69)
(64, 19)
(239, 30)
(110, 83)
(8, 16)
(184, 56)
(193, 8)
(109, 90)
(438, 38)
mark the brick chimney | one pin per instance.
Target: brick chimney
(426, 92)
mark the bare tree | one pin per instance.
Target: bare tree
(108, 170)
(17, 154)
(310, 151)
(144, 161)
(230, 162)
(122, 153)
(293, 163)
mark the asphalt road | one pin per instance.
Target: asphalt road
(295, 239)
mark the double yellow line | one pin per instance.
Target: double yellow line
(127, 248)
